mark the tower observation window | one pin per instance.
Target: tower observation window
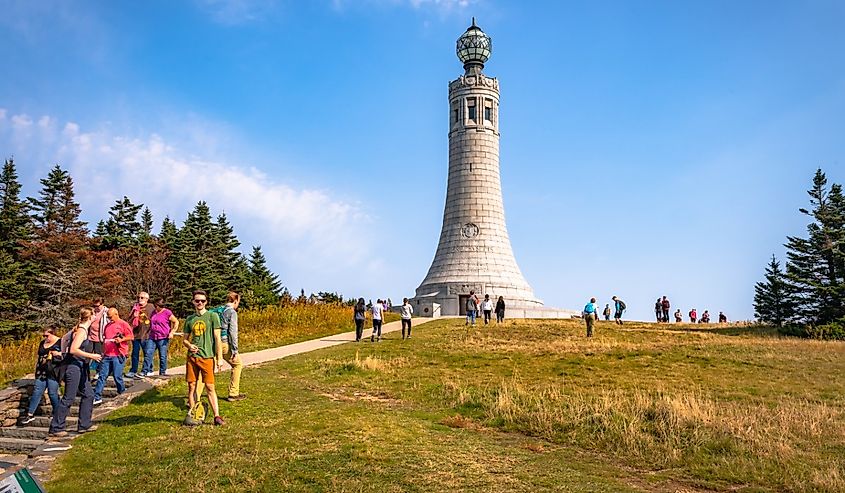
(488, 114)
(472, 112)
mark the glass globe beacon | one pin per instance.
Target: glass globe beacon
(474, 46)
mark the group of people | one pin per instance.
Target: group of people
(99, 343)
(662, 307)
(590, 313)
(377, 311)
(476, 307)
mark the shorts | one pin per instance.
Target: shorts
(203, 367)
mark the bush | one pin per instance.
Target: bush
(834, 331)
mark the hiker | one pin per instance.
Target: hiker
(620, 307)
(163, 324)
(205, 356)
(678, 317)
(229, 337)
(115, 348)
(500, 310)
(76, 349)
(140, 316)
(487, 308)
(705, 317)
(95, 331)
(472, 306)
(591, 313)
(658, 310)
(406, 313)
(666, 306)
(377, 310)
(693, 316)
(723, 319)
(49, 356)
(606, 312)
(359, 316)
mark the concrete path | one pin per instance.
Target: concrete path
(280, 352)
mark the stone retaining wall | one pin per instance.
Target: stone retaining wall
(11, 399)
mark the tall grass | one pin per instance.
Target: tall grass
(258, 329)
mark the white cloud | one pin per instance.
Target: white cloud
(235, 12)
(440, 6)
(302, 223)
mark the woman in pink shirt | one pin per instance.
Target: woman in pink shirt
(163, 325)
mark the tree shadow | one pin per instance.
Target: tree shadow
(731, 330)
(135, 420)
(155, 395)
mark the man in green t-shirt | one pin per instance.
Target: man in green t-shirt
(205, 355)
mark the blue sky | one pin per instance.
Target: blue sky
(647, 148)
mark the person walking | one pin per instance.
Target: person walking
(620, 307)
(591, 313)
(606, 312)
(359, 316)
(666, 306)
(49, 356)
(658, 310)
(500, 310)
(472, 308)
(205, 356)
(487, 308)
(693, 316)
(678, 317)
(163, 324)
(406, 313)
(377, 311)
(77, 352)
(95, 331)
(142, 313)
(231, 351)
(115, 348)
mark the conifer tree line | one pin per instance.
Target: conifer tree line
(51, 264)
(807, 293)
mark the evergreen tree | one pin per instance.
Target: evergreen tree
(231, 264)
(122, 228)
(774, 302)
(146, 224)
(816, 264)
(197, 259)
(169, 233)
(45, 208)
(264, 286)
(13, 296)
(69, 211)
(14, 219)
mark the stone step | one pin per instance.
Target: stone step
(28, 432)
(19, 444)
(44, 422)
(46, 410)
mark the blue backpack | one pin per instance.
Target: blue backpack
(224, 333)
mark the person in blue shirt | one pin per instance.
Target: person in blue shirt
(591, 314)
(620, 307)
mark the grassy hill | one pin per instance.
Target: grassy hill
(526, 406)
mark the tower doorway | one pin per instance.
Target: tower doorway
(462, 304)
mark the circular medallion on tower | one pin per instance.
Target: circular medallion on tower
(474, 46)
(470, 230)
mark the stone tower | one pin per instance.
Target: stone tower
(474, 252)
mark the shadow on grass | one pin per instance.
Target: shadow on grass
(731, 330)
(136, 420)
(155, 395)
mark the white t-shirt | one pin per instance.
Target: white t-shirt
(377, 309)
(487, 305)
(407, 311)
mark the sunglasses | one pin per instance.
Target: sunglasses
(197, 302)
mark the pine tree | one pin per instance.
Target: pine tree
(264, 286)
(122, 228)
(169, 233)
(231, 264)
(13, 296)
(14, 219)
(816, 264)
(69, 211)
(196, 260)
(45, 208)
(774, 302)
(146, 224)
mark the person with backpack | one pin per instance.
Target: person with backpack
(678, 317)
(693, 316)
(359, 316)
(472, 307)
(606, 312)
(666, 306)
(231, 352)
(500, 310)
(77, 353)
(658, 310)
(620, 307)
(95, 331)
(205, 356)
(591, 313)
(49, 356)
(378, 311)
(406, 313)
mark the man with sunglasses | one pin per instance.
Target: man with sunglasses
(205, 355)
(142, 313)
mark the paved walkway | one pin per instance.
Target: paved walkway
(257, 357)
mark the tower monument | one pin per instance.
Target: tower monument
(474, 252)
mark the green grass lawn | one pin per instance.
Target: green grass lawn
(527, 406)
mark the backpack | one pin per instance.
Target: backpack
(622, 304)
(224, 334)
(470, 303)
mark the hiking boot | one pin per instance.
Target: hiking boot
(373, 338)
(57, 434)
(218, 421)
(28, 419)
(86, 430)
(234, 398)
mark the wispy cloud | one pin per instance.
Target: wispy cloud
(439, 6)
(236, 12)
(303, 223)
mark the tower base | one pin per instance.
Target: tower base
(448, 300)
